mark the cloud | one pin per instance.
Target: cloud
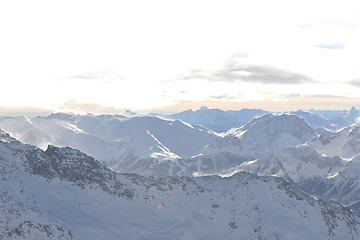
(355, 82)
(232, 72)
(265, 74)
(323, 96)
(291, 95)
(298, 95)
(348, 25)
(99, 75)
(335, 46)
(222, 97)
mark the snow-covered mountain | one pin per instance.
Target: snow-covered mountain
(345, 143)
(3, 118)
(214, 119)
(145, 145)
(321, 126)
(270, 132)
(327, 114)
(245, 115)
(154, 146)
(294, 164)
(352, 115)
(322, 121)
(312, 119)
(62, 193)
(328, 177)
(343, 187)
(250, 141)
(339, 118)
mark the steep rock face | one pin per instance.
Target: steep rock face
(342, 187)
(329, 178)
(66, 164)
(345, 143)
(20, 217)
(63, 194)
(293, 164)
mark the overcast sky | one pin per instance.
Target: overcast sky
(94, 56)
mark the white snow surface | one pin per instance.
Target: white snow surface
(345, 143)
(262, 135)
(64, 194)
(126, 144)
(343, 187)
(293, 164)
(159, 147)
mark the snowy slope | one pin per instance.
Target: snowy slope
(248, 142)
(273, 132)
(293, 164)
(3, 118)
(339, 118)
(321, 126)
(342, 187)
(345, 143)
(214, 119)
(312, 119)
(246, 115)
(352, 115)
(154, 146)
(146, 145)
(265, 134)
(41, 132)
(64, 194)
(327, 177)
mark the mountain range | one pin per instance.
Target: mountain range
(62, 193)
(152, 146)
(321, 121)
(286, 175)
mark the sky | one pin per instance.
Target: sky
(169, 56)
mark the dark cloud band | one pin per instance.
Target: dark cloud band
(355, 82)
(334, 46)
(232, 71)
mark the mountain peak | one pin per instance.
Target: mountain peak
(204, 108)
(272, 131)
(5, 137)
(130, 113)
(60, 116)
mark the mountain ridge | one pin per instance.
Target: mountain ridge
(58, 201)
